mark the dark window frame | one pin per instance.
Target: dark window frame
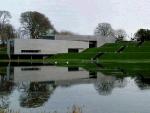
(73, 50)
(92, 44)
(73, 69)
(30, 51)
(30, 69)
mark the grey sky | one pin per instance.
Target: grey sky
(82, 16)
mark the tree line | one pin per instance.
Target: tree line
(105, 29)
(7, 31)
(35, 24)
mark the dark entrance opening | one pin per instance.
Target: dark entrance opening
(73, 50)
(93, 74)
(92, 44)
(73, 69)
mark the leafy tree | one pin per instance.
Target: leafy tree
(35, 23)
(143, 35)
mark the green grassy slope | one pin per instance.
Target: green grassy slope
(84, 56)
(105, 48)
(131, 52)
(88, 53)
(109, 50)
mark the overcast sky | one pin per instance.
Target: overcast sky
(82, 16)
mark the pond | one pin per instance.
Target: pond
(48, 88)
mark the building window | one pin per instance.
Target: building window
(47, 37)
(73, 69)
(30, 69)
(30, 51)
(73, 50)
(92, 44)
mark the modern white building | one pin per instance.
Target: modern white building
(51, 45)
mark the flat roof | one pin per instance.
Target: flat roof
(76, 37)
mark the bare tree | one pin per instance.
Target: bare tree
(21, 33)
(6, 30)
(35, 23)
(104, 29)
(120, 34)
(5, 16)
(7, 33)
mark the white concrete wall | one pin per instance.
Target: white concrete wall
(48, 46)
(76, 37)
(101, 40)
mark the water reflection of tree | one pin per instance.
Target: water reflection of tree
(105, 84)
(36, 94)
(6, 87)
(142, 82)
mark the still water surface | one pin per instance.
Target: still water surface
(49, 88)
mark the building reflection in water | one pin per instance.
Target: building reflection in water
(6, 86)
(36, 84)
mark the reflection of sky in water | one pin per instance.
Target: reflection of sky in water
(104, 94)
(125, 100)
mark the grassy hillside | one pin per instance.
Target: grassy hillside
(111, 51)
(131, 52)
(88, 54)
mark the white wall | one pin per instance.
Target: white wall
(47, 46)
(76, 37)
(101, 40)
